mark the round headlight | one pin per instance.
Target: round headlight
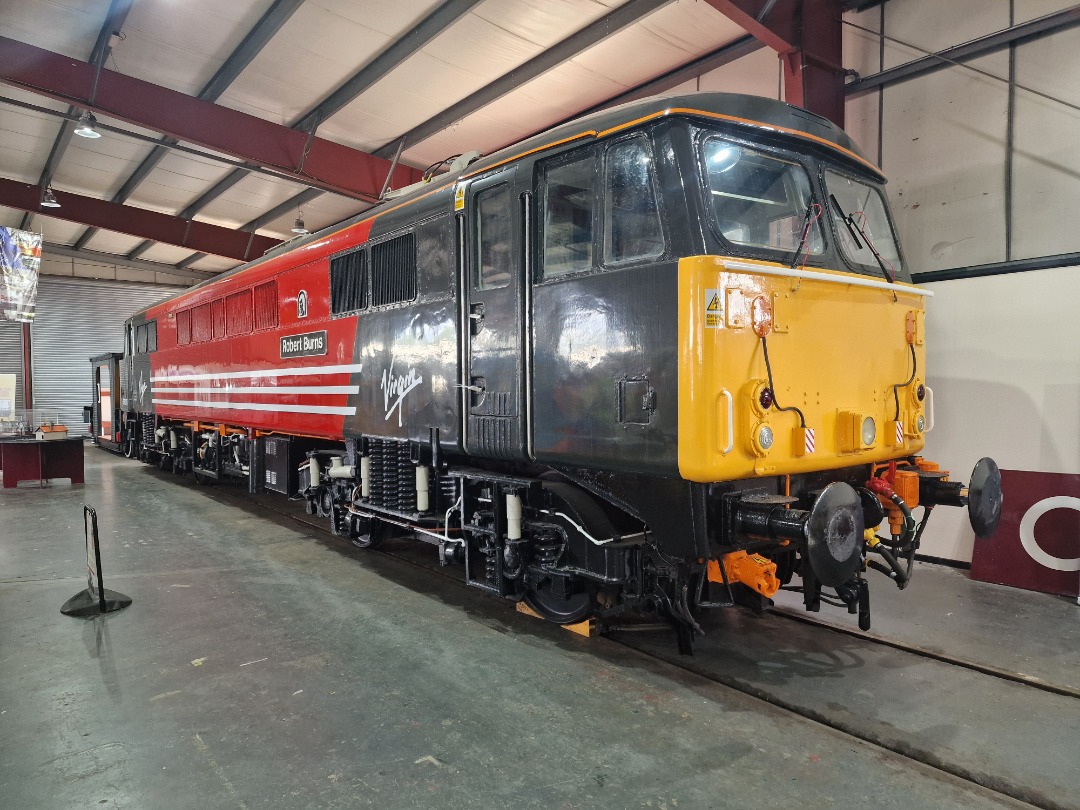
(920, 423)
(869, 431)
(765, 437)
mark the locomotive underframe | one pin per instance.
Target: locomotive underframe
(572, 543)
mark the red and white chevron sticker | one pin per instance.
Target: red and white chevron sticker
(899, 432)
(809, 441)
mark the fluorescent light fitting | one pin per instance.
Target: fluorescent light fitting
(49, 200)
(86, 128)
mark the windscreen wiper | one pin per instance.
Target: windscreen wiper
(846, 219)
(855, 230)
(807, 221)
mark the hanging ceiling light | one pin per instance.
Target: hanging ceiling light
(49, 200)
(86, 127)
(298, 226)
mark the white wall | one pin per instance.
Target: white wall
(1004, 361)
(1003, 351)
(1047, 173)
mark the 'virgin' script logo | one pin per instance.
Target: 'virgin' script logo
(396, 387)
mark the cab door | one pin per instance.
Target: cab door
(493, 318)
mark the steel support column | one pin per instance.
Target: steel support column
(814, 74)
(807, 35)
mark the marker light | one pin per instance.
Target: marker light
(920, 423)
(765, 437)
(920, 393)
(766, 398)
(869, 431)
(761, 316)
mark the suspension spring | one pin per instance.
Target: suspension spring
(490, 552)
(447, 487)
(378, 472)
(548, 548)
(405, 485)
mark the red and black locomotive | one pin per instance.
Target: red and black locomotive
(664, 357)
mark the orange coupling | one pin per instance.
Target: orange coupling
(752, 570)
(902, 483)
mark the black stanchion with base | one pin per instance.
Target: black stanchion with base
(96, 600)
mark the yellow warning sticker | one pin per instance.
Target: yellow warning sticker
(714, 310)
(459, 198)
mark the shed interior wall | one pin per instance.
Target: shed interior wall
(980, 174)
(1001, 356)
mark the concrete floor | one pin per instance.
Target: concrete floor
(1033, 635)
(264, 665)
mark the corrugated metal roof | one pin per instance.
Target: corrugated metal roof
(312, 48)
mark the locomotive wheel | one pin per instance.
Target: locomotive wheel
(164, 462)
(368, 533)
(326, 504)
(554, 607)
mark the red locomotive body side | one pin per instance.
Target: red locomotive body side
(293, 373)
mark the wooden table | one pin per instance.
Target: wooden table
(30, 459)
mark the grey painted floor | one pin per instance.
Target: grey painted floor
(266, 665)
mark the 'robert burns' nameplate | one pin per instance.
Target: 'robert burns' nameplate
(306, 345)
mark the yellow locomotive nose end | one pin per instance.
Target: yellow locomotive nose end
(784, 370)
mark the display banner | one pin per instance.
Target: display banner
(1037, 545)
(20, 260)
(95, 599)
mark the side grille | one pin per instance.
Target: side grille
(348, 282)
(393, 475)
(393, 270)
(266, 305)
(146, 422)
(493, 435)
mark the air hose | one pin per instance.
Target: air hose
(894, 570)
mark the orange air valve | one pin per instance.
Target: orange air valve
(904, 484)
(752, 570)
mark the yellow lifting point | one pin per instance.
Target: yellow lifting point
(586, 628)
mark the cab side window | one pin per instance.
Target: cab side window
(569, 203)
(632, 228)
(493, 231)
(601, 209)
